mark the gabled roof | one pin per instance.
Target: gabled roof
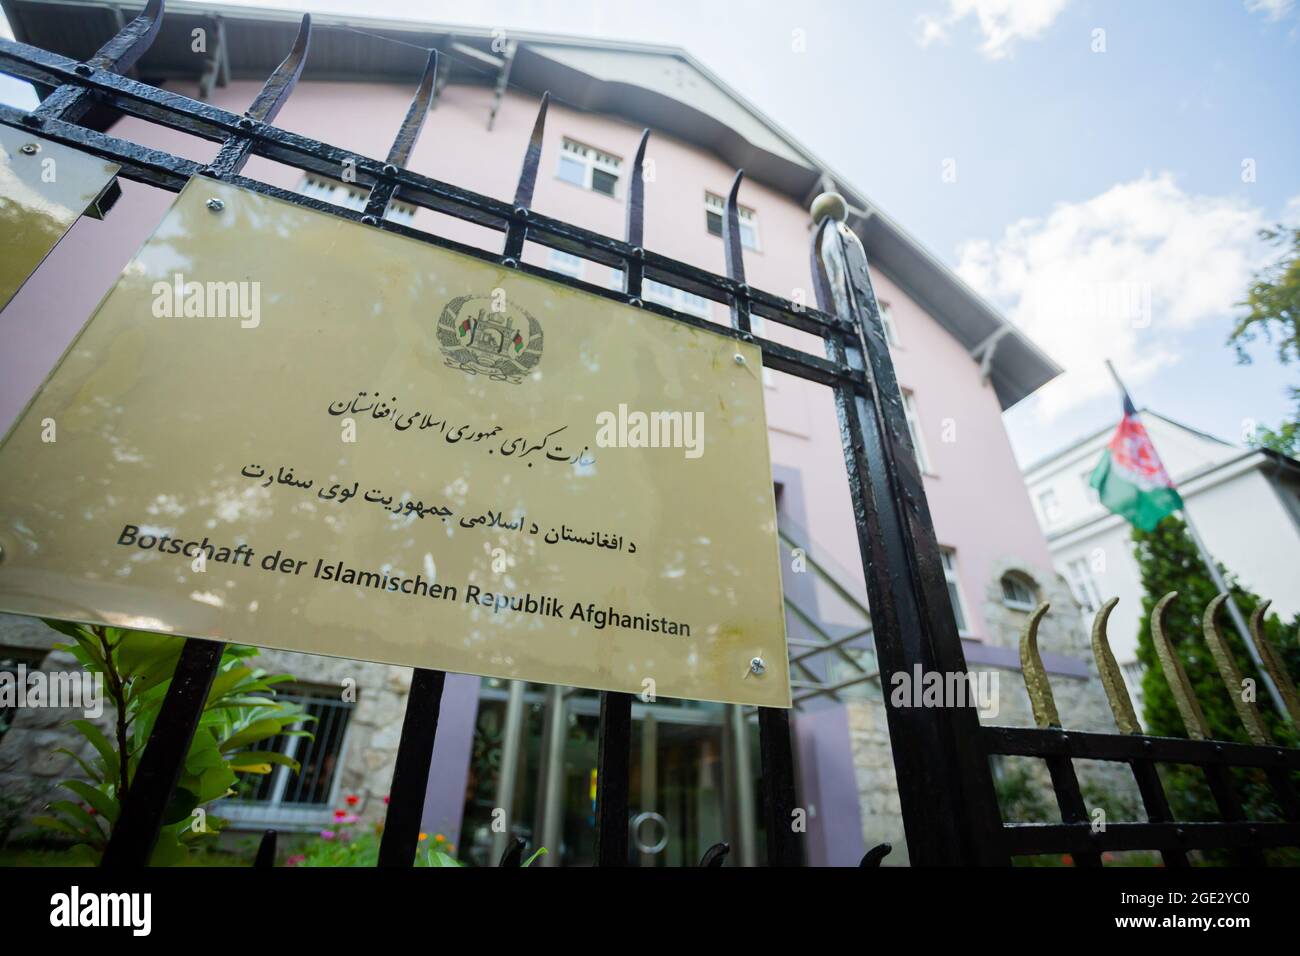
(662, 87)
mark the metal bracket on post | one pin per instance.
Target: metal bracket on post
(950, 812)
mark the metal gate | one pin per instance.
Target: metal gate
(941, 754)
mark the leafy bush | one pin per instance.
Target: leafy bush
(240, 713)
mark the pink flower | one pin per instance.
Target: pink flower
(295, 859)
(347, 818)
(327, 834)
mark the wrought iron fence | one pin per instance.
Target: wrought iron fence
(941, 755)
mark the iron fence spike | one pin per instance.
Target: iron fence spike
(1230, 673)
(1031, 666)
(514, 853)
(1273, 663)
(874, 856)
(1112, 678)
(416, 113)
(265, 107)
(532, 157)
(635, 233)
(731, 244)
(715, 856)
(1189, 708)
(275, 91)
(130, 43)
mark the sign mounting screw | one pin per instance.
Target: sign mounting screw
(740, 359)
(756, 666)
(29, 149)
(216, 205)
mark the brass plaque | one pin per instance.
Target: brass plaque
(44, 187)
(285, 429)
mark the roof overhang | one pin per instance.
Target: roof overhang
(589, 74)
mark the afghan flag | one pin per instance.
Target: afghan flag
(518, 343)
(1130, 479)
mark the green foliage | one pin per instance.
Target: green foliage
(240, 712)
(1022, 797)
(1273, 301)
(348, 842)
(1169, 561)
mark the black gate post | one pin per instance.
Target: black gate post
(945, 786)
(151, 787)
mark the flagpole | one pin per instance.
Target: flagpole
(1238, 621)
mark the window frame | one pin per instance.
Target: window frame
(715, 205)
(1051, 512)
(275, 809)
(888, 325)
(913, 416)
(1023, 580)
(1078, 574)
(948, 557)
(592, 159)
(329, 190)
(557, 261)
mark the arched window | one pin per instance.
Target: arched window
(1018, 591)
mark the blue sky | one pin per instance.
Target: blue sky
(1100, 198)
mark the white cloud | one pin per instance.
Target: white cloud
(1271, 9)
(1122, 275)
(1002, 22)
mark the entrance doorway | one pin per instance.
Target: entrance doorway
(690, 786)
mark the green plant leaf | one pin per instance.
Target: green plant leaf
(107, 753)
(529, 862)
(105, 806)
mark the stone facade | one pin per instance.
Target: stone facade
(1081, 702)
(30, 768)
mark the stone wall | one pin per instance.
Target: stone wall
(1081, 702)
(30, 769)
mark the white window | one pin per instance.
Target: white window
(675, 298)
(307, 797)
(565, 263)
(1050, 505)
(715, 207)
(1083, 585)
(887, 323)
(1018, 592)
(351, 196)
(589, 168)
(954, 590)
(914, 430)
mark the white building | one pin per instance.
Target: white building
(1245, 503)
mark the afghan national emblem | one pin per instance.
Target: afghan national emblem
(503, 344)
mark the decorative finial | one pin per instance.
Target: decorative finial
(829, 204)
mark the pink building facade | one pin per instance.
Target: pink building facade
(959, 363)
